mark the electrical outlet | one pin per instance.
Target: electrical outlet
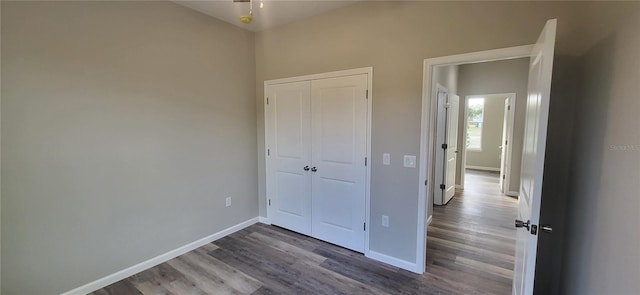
(228, 202)
(385, 220)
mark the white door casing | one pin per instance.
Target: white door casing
(289, 143)
(339, 149)
(452, 109)
(535, 135)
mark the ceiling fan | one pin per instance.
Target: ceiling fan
(246, 19)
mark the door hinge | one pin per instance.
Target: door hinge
(365, 161)
(442, 186)
(508, 108)
(444, 146)
(365, 226)
(367, 94)
(268, 152)
(267, 100)
(269, 202)
(425, 182)
(506, 142)
(504, 176)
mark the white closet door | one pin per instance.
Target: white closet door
(289, 143)
(339, 128)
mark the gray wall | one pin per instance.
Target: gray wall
(395, 37)
(489, 155)
(507, 76)
(602, 247)
(124, 127)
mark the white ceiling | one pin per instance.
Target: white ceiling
(273, 14)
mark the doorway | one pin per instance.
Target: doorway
(439, 71)
(540, 65)
(487, 135)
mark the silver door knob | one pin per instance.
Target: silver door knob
(314, 169)
(306, 168)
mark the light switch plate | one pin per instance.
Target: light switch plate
(386, 159)
(410, 161)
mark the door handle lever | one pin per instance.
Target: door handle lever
(306, 168)
(546, 228)
(520, 223)
(314, 169)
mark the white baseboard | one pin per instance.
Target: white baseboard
(127, 272)
(264, 220)
(458, 186)
(483, 168)
(410, 266)
(512, 194)
(429, 219)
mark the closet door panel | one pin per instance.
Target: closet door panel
(339, 125)
(289, 144)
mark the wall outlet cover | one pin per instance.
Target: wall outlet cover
(386, 159)
(410, 161)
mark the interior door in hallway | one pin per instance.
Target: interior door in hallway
(535, 139)
(289, 141)
(453, 107)
(339, 137)
(503, 146)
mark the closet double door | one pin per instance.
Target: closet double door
(316, 134)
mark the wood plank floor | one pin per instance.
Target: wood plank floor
(470, 251)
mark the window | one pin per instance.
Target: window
(475, 117)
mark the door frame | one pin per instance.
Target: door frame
(318, 76)
(510, 123)
(427, 131)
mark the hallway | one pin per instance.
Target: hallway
(472, 238)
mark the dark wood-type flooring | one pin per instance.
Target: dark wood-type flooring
(470, 248)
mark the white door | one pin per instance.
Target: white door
(503, 146)
(339, 136)
(535, 136)
(453, 107)
(442, 96)
(289, 142)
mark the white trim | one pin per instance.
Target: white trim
(427, 130)
(335, 74)
(430, 219)
(127, 272)
(264, 220)
(458, 186)
(483, 168)
(350, 72)
(512, 194)
(410, 266)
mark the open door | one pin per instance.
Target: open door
(535, 137)
(447, 141)
(451, 151)
(503, 146)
